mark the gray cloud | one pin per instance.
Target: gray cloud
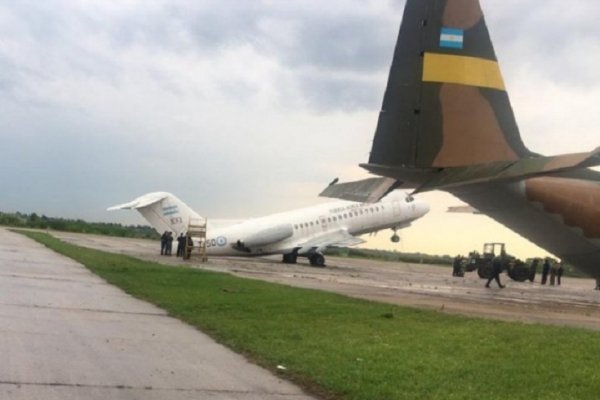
(326, 91)
(256, 101)
(556, 41)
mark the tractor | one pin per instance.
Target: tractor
(516, 269)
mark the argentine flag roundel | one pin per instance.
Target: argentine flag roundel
(452, 38)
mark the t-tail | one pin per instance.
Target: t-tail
(446, 118)
(163, 211)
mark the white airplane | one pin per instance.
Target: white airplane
(304, 232)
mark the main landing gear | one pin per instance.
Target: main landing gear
(290, 258)
(317, 260)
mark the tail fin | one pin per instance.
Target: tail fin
(163, 211)
(445, 104)
(446, 120)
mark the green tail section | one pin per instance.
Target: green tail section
(445, 104)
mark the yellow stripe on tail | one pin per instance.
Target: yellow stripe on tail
(462, 70)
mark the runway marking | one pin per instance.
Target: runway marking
(150, 388)
(48, 278)
(39, 306)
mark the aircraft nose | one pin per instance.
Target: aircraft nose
(422, 208)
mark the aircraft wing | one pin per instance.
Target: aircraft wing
(339, 238)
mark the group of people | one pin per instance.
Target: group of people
(555, 270)
(166, 244)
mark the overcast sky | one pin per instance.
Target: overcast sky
(243, 108)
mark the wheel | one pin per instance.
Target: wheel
(317, 260)
(520, 272)
(395, 238)
(290, 258)
(485, 270)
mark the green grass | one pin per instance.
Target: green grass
(352, 349)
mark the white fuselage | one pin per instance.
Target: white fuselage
(303, 232)
(304, 225)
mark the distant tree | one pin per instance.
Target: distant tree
(32, 220)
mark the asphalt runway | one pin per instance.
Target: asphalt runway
(67, 334)
(574, 303)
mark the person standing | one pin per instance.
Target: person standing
(496, 270)
(559, 273)
(189, 245)
(163, 243)
(545, 271)
(169, 243)
(181, 245)
(533, 269)
(553, 269)
(457, 266)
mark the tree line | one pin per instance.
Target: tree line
(21, 220)
(386, 255)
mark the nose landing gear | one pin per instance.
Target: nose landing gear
(395, 238)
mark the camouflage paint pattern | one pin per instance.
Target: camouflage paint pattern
(576, 201)
(459, 134)
(463, 14)
(446, 123)
(427, 118)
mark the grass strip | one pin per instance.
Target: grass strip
(354, 349)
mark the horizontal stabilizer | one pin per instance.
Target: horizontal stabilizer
(498, 171)
(509, 170)
(368, 190)
(142, 201)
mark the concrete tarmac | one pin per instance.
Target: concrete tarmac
(67, 334)
(574, 303)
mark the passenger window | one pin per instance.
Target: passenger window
(296, 226)
(345, 216)
(328, 219)
(311, 224)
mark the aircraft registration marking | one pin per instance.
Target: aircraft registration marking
(342, 209)
(220, 241)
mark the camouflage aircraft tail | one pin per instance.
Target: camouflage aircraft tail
(445, 104)
(446, 118)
